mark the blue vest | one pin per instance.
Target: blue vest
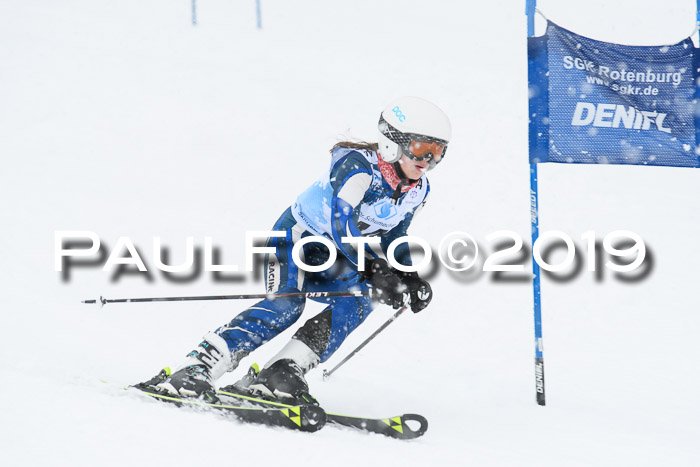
(375, 215)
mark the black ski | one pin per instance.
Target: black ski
(394, 427)
(307, 418)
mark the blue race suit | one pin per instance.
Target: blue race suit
(351, 199)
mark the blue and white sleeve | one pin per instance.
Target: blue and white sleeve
(351, 177)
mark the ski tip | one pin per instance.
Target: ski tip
(407, 426)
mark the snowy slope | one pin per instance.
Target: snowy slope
(123, 119)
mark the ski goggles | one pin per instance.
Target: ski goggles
(421, 150)
(416, 147)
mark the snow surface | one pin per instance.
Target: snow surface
(124, 119)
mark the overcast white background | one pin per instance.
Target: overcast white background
(123, 119)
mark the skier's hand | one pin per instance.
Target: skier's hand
(387, 287)
(419, 290)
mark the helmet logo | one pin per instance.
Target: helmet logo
(399, 114)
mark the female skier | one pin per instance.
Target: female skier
(370, 190)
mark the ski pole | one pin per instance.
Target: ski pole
(327, 374)
(103, 301)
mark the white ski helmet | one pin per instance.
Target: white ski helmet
(409, 120)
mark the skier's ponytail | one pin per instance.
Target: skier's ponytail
(356, 145)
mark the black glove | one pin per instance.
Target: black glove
(387, 287)
(420, 291)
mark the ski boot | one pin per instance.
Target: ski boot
(283, 381)
(195, 377)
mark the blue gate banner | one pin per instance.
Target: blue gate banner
(594, 102)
